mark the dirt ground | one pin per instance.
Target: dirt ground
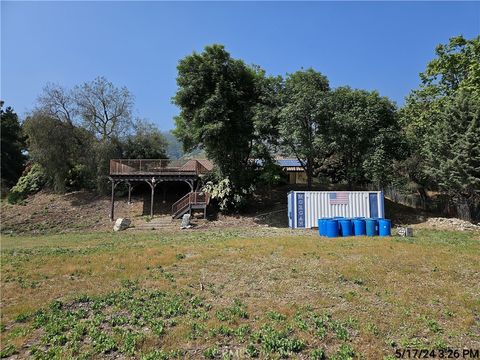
(47, 213)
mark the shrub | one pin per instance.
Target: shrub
(80, 177)
(29, 183)
(227, 197)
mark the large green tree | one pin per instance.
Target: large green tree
(92, 123)
(304, 118)
(220, 99)
(59, 147)
(365, 137)
(147, 142)
(12, 143)
(442, 126)
(452, 153)
(49, 143)
(456, 66)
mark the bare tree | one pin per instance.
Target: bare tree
(58, 103)
(105, 109)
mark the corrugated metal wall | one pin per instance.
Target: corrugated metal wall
(317, 205)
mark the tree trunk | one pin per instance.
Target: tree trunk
(309, 177)
(59, 183)
(423, 197)
(462, 208)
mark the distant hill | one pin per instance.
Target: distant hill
(174, 148)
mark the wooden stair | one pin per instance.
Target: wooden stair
(192, 201)
(155, 224)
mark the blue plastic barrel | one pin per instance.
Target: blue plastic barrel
(332, 228)
(322, 226)
(384, 227)
(371, 227)
(346, 227)
(359, 227)
(339, 227)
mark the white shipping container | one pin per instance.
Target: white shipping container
(306, 207)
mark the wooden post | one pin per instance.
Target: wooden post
(112, 203)
(151, 199)
(129, 193)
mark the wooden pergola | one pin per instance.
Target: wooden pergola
(153, 172)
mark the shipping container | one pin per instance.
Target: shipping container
(306, 207)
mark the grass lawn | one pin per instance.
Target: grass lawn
(239, 293)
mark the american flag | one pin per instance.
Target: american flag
(339, 198)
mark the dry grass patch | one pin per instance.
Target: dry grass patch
(242, 293)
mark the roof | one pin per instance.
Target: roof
(289, 163)
(206, 163)
(192, 163)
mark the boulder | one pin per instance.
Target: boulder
(121, 224)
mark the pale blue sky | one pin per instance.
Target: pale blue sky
(369, 45)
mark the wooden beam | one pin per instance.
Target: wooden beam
(151, 200)
(129, 192)
(112, 202)
(153, 183)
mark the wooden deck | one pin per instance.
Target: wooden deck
(154, 172)
(159, 167)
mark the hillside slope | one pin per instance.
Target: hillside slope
(47, 213)
(52, 213)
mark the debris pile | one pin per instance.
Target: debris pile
(452, 224)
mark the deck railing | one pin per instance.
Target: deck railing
(155, 166)
(192, 198)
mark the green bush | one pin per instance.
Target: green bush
(272, 174)
(29, 183)
(227, 197)
(80, 177)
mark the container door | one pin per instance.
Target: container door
(373, 200)
(300, 215)
(290, 210)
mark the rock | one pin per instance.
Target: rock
(452, 224)
(186, 222)
(121, 224)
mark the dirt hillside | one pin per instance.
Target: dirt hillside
(47, 213)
